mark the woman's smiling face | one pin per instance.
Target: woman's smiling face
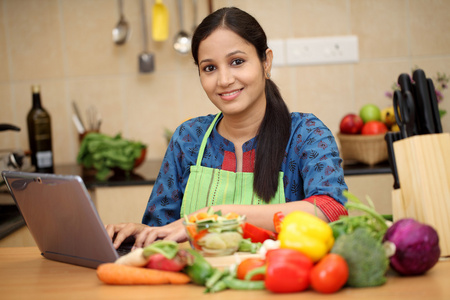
(232, 74)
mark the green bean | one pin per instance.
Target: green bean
(217, 287)
(238, 284)
(246, 245)
(215, 277)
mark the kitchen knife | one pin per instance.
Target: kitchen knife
(434, 106)
(424, 113)
(390, 138)
(404, 81)
(404, 110)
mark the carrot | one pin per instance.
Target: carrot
(232, 215)
(201, 215)
(192, 230)
(112, 273)
(192, 219)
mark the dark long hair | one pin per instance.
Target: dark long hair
(274, 131)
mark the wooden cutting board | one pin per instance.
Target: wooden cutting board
(226, 261)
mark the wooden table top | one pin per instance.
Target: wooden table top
(25, 274)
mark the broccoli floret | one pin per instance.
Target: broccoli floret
(365, 256)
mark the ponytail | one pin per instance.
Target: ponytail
(272, 139)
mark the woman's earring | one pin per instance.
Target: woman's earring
(267, 75)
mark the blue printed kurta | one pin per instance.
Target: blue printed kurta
(312, 165)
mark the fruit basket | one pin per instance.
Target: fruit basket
(367, 149)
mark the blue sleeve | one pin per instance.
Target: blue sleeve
(164, 203)
(317, 156)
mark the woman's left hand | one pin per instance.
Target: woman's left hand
(174, 231)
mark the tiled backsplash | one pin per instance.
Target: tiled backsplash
(66, 47)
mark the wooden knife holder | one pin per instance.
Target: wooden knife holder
(423, 165)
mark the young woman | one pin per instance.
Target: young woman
(254, 157)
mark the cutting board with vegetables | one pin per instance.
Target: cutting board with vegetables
(228, 260)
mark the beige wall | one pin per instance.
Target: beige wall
(65, 46)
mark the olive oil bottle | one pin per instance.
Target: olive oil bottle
(40, 134)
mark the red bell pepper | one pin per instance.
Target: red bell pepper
(277, 218)
(257, 234)
(286, 271)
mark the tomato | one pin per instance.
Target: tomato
(330, 274)
(374, 127)
(249, 264)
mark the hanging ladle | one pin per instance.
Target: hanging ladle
(120, 32)
(194, 25)
(182, 43)
(146, 58)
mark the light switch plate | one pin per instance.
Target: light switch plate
(322, 50)
(278, 48)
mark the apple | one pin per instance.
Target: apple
(351, 124)
(370, 112)
(374, 127)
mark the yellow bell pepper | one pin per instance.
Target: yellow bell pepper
(306, 233)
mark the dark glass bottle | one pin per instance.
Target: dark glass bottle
(40, 135)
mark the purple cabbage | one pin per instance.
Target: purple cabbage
(416, 247)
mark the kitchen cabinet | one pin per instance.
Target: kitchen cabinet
(19, 238)
(378, 187)
(121, 204)
(374, 181)
(12, 221)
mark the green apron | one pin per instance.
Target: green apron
(209, 187)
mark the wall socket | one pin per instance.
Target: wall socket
(322, 50)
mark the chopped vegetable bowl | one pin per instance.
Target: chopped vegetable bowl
(212, 234)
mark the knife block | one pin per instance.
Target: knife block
(423, 164)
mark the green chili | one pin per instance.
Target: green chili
(200, 269)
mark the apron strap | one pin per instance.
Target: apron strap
(205, 140)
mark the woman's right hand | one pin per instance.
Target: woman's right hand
(119, 232)
(145, 235)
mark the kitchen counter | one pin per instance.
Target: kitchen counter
(27, 275)
(353, 169)
(144, 175)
